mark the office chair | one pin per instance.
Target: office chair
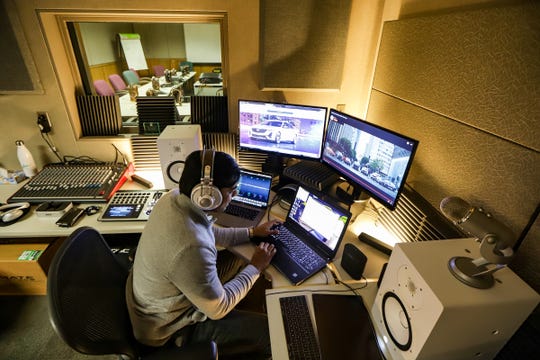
(189, 64)
(87, 304)
(142, 80)
(159, 70)
(118, 84)
(103, 88)
(132, 78)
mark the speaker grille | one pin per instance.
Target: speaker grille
(414, 219)
(226, 142)
(211, 112)
(252, 160)
(145, 153)
(99, 115)
(155, 113)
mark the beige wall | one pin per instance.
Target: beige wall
(18, 119)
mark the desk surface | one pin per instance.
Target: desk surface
(367, 290)
(32, 226)
(129, 108)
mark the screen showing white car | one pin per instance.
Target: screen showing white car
(285, 129)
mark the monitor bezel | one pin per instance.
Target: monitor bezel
(284, 154)
(355, 179)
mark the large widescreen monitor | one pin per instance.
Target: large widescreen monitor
(284, 129)
(375, 159)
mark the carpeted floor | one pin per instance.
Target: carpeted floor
(26, 333)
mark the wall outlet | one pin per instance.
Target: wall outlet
(44, 122)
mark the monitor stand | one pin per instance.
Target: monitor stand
(274, 164)
(348, 192)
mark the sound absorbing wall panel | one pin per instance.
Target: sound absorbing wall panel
(20, 75)
(466, 84)
(303, 43)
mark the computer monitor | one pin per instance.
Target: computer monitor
(289, 130)
(373, 159)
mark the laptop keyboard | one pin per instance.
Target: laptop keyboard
(301, 340)
(241, 211)
(301, 252)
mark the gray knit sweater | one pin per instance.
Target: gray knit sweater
(174, 280)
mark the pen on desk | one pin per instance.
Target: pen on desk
(142, 181)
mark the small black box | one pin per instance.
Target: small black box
(353, 261)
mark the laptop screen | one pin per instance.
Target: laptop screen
(324, 221)
(254, 188)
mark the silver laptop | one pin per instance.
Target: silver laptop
(248, 207)
(310, 236)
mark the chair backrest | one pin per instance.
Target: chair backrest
(103, 88)
(131, 77)
(187, 63)
(159, 70)
(117, 82)
(86, 296)
(136, 73)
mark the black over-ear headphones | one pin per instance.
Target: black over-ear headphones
(205, 195)
(10, 213)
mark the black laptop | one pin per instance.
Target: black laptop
(310, 236)
(248, 207)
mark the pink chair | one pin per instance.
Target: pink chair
(118, 83)
(103, 88)
(159, 70)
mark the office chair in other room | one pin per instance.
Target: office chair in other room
(132, 78)
(118, 84)
(87, 305)
(159, 70)
(189, 64)
(142, 79)
(103, 88)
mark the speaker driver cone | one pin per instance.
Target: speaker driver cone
(174, 170)
(396, 321)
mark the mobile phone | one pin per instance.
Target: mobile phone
(71, 217)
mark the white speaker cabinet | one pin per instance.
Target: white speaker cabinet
(422, 311)
(174, 144)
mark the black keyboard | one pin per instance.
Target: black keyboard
(241, 211)
(301, 339)
(298, 250)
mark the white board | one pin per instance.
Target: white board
(203, 43)
(133, 51)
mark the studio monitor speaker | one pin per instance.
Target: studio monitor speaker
(174, 144)
(421, 311)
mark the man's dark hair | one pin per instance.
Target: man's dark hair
(226, 171)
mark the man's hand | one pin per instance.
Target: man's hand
(267, 229)
(264, 252)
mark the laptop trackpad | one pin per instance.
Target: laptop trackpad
(344, 328)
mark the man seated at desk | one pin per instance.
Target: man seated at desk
(181, 288)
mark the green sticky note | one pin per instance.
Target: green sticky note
(30, 254)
